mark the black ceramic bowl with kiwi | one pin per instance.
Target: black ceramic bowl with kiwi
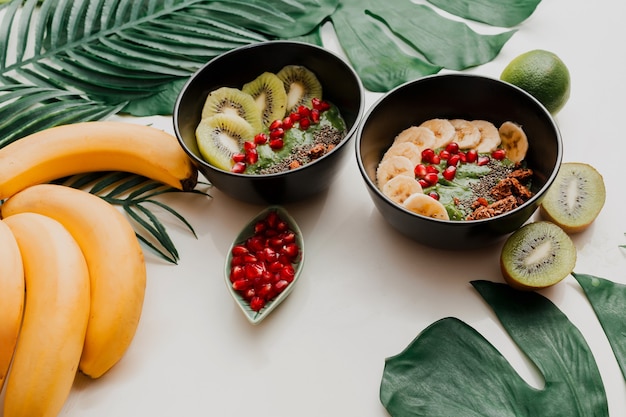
(312, 94)
(458, 98)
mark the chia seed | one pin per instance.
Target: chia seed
(483, 187)
(327, 136)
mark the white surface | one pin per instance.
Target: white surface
(366, 291)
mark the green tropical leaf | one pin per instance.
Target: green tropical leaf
(503, 13)
(608, 300)
(451, 370)
(393, 42)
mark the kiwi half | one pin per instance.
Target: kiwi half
(221, 136)
(537, 256)
(575, 198)
(301, 85)
(268, 91)
(233, 101)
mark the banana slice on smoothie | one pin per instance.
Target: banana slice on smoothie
(421, 137)
(399, 188)
(407, 149)
(393, 167)
(466, 134)
(443, 130)
(426, 206)
(489, 136)
(514, 141)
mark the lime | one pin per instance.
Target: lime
(543, 75)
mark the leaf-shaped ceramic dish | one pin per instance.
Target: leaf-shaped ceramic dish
(297, 262)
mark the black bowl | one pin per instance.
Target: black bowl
(341, 86)
(468, 97)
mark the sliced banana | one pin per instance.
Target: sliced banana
(426, 206)
(399, 188)
(489, 136)
(465, 133)
(443, 130)
(514, 141)
(421, 137)
(407, 149)
(392, 167)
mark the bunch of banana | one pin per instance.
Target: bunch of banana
(94, 146)
(72, 272)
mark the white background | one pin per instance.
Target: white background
(366, 291)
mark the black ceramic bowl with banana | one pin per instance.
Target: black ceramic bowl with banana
(284, 153)
(437, 205)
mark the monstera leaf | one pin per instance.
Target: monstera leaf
(65, 61)
(451, 370)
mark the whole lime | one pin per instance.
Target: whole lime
(543, 75)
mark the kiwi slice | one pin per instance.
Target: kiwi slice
(268, 91)
(575, 198)
(233, 101)
(301, 85)
(536, 256)
(221, 136)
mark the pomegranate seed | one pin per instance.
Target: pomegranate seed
(281, 285)
(482, 201)
(236, 273)
(255, 243)
(253, 270)
(483, 160)
(435, 160)
(239, 250)
(420, 170)
(276, 124)
(272, 219)
(443, 154)
(305, 123)
(427, 155)
(275, 266)
(291, 250)
(295, 116)
(241, 285)
(288, 273)
(277, 133)
(282, 226)
(288, 237)
(431, 178)
(249, 258)
(257, 303)
(449, 172)
(249, 294)
(498, 154)
(238, 168)
(287, 123)
(252, 157)
(472, 155)
(304, 111)
(265, 291)
(260, 138)
(424, 183)
(463, 157)
(237, 261)
(434, 194)
(260, 227)
(452, 148)
(454, 159)
(247, 146)
(277, 143)
(319, 104)
(432, 169)
(315, 116)
(239, 157)
(269, 255)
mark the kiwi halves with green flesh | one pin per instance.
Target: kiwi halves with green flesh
(221, 136)
(575, 198)
(537, 256)
(301, 85)
(268, 91)
(233, 101)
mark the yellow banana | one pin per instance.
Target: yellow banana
(11, 297)
(55, 317)
(115, 260)
(71, 149)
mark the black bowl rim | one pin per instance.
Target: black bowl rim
(349, 134)
(535, 199)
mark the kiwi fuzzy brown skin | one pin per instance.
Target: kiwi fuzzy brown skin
(553, 256)
(574, 210)
(268, 91)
